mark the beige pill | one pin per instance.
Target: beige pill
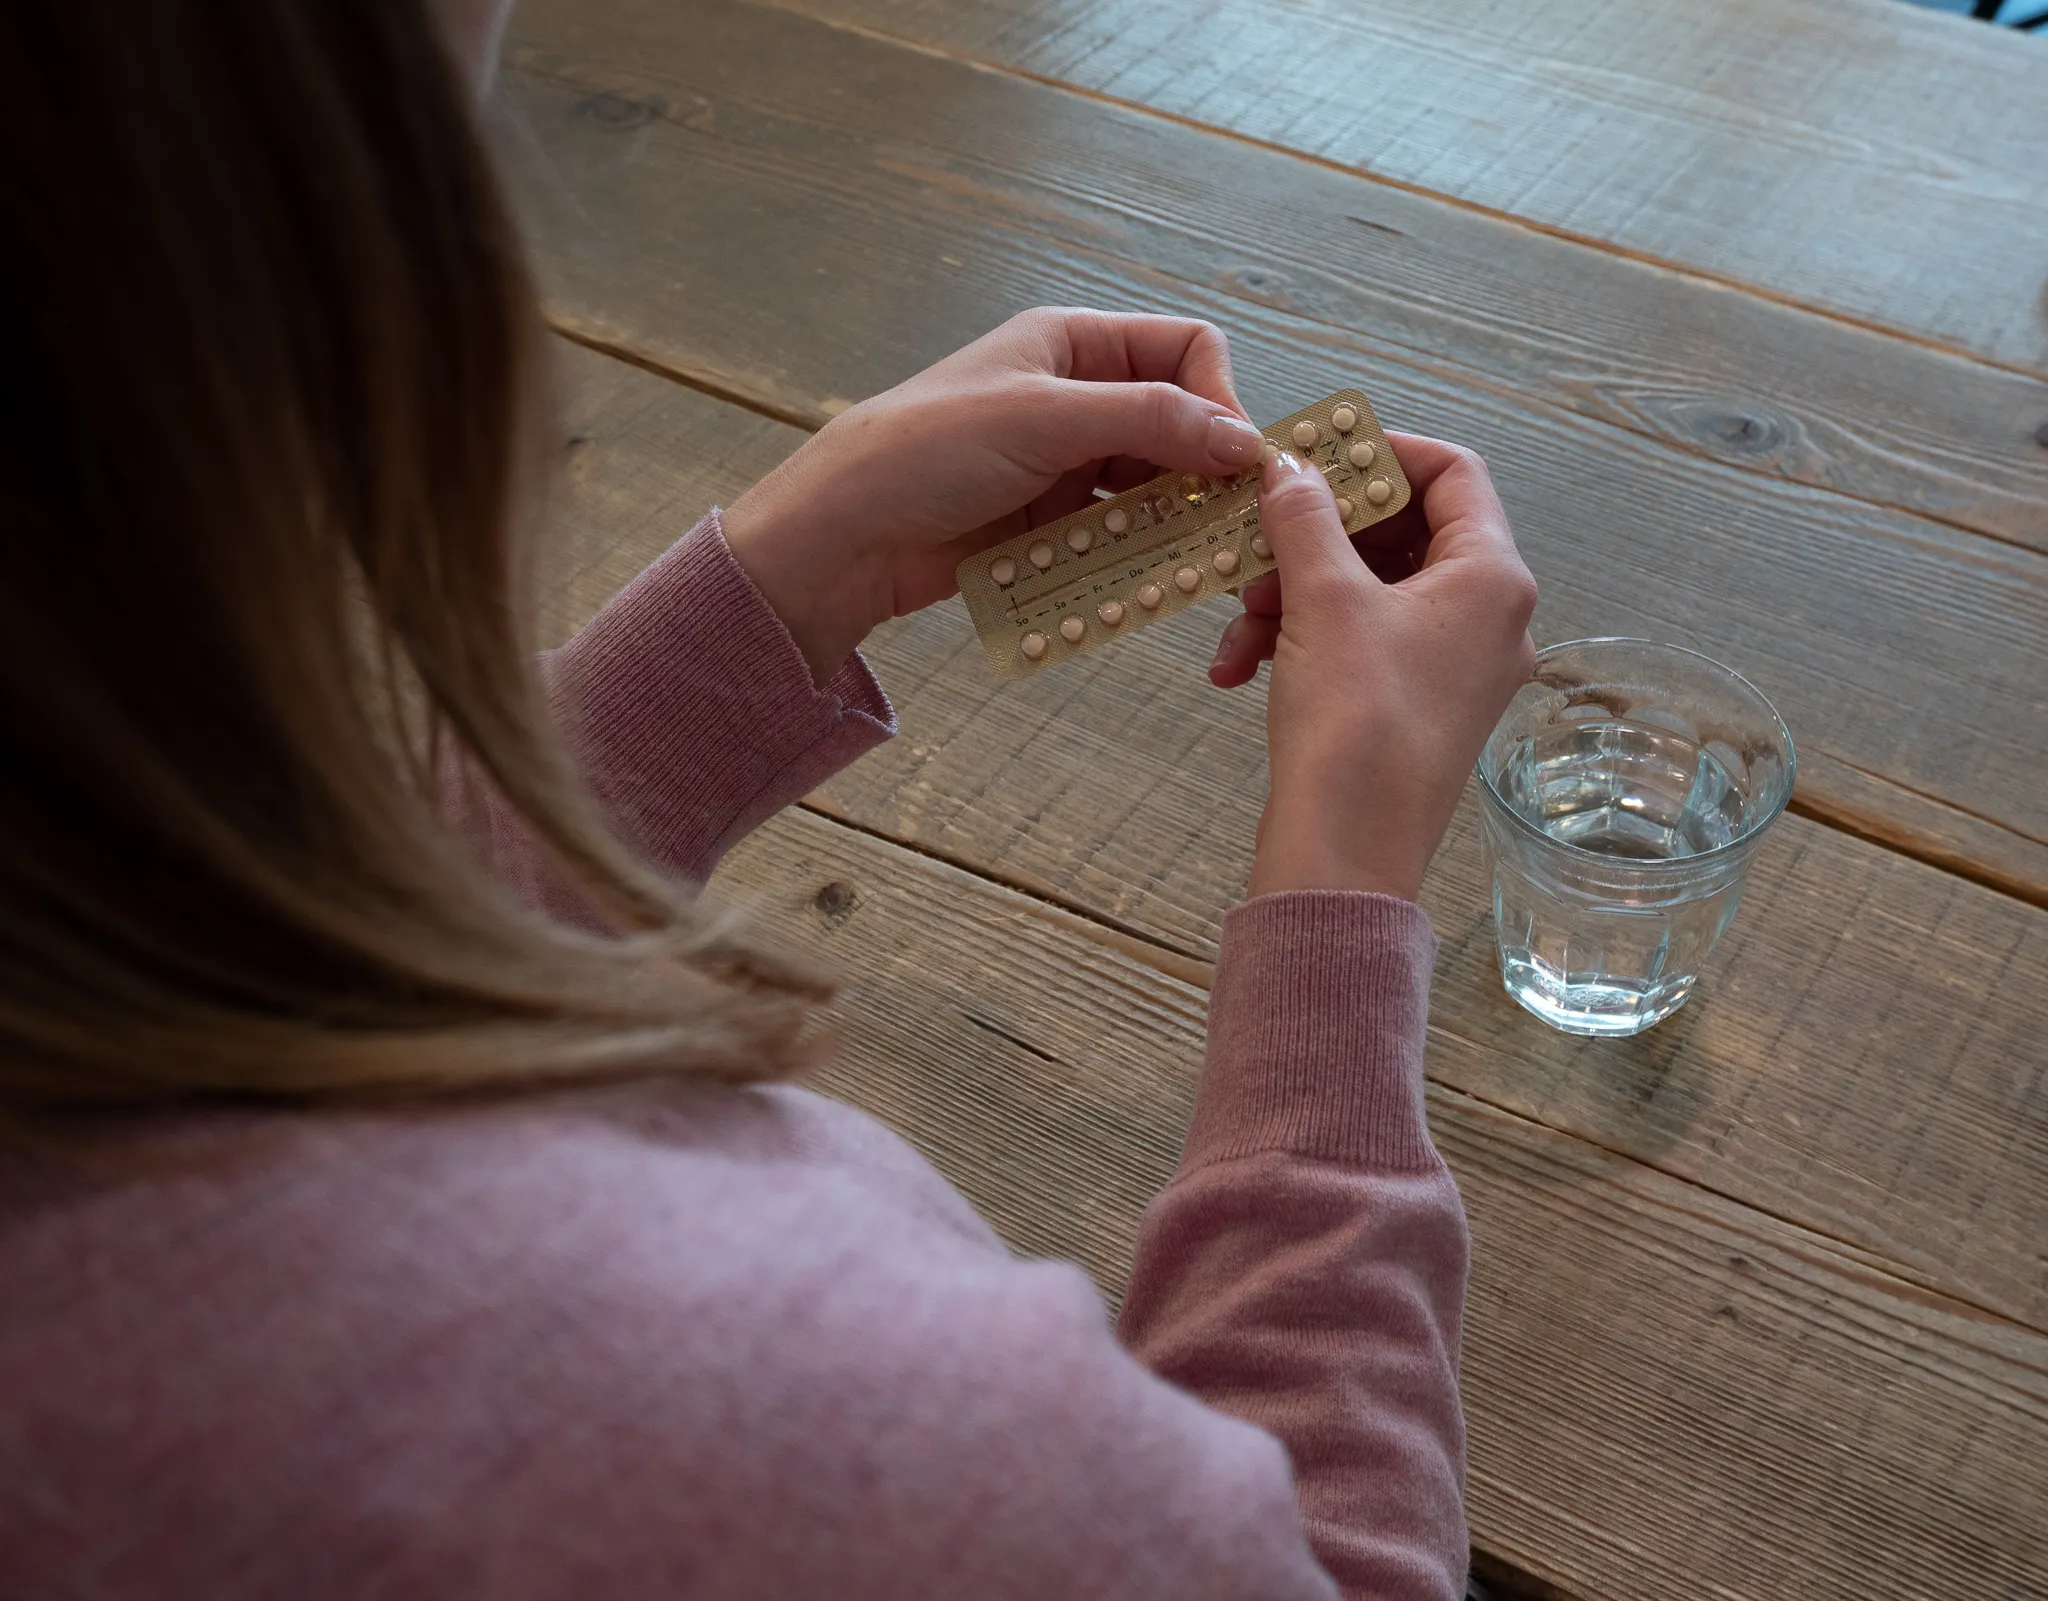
(1305, 435)
(1361, 453)
(1344, 507)
(1187, 580)
(1226, 562)
(1080, 537)
(1379, 491)
(1343, 419)
(1262, 547)
(1072, 629)
(1003, 570)
(1117, 520)
(1150, 595)
(1111, 612)
(1271, 451)
(1033, 646)
(1041, 555)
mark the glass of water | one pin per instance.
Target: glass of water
(1624, 792)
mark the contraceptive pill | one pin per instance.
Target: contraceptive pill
(1130, 559)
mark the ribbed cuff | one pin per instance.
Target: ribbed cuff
(1316, 1024)
(693, 711)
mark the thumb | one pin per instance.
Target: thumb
(1159, 423)
(1298, 515)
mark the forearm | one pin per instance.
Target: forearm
(693, 716)
(692, 711)
(1306, 1269)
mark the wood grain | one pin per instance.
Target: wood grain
(1876, 161)
(1729, 377)
(1669, 1394)
(641, 461)
(1865, 1058)
(745, 226)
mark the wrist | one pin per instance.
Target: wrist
(812, 581)
(1296, 853)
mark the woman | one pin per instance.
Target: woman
(395, 1200)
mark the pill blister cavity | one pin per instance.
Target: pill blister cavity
(1262, 547)
(1003, 570)
(1344, 419)
(1226, 562)
(1072, 629)
(1041, 555)
(1187, 580)
(1305, 435)
(1117, 520)
(1344, 507)
(1111, 612)
(1033, 646)
(1080, 537)
(1379, 491)
(1361, 453)
(1150, 595)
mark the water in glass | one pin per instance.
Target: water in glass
(1617, 824)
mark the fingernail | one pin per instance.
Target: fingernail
(1232, 438)
(1222, 653)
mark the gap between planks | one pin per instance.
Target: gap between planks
(1838, 818)
(1512, 219)
(1185, 967)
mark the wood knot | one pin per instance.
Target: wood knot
(1747, 431)
(835, 902)
(618, 111)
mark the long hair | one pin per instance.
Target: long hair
(272, 415)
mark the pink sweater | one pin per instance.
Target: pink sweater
(702, 1342)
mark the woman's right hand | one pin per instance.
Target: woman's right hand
(1383, 694)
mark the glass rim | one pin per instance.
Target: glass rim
(1674, 864)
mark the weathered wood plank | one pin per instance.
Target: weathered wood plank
(1866, 1057)
(1669, 1394)
(1729, 377)
(641, 461)
(1876, 161)
(745, 226)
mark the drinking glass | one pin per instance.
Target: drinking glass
(1624, 793)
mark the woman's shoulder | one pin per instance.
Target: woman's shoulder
(377, 1334)
(714, 1343)
(243, 1217)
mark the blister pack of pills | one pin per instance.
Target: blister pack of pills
(1074, 585)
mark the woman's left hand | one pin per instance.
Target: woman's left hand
(869, 519)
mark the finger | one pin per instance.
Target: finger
(1391, 560)
(1464, 513)
(1245, 643)
(1262, 596)
(1298, 515)
(1127, 472)
(1117, 347)
(1080, 422)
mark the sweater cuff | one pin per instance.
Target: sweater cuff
(693, 712)
(1316, 1023)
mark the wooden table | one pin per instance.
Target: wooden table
(1744, 303)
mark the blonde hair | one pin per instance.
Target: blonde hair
(271, 421)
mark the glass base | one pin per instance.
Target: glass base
(1596, 1007)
